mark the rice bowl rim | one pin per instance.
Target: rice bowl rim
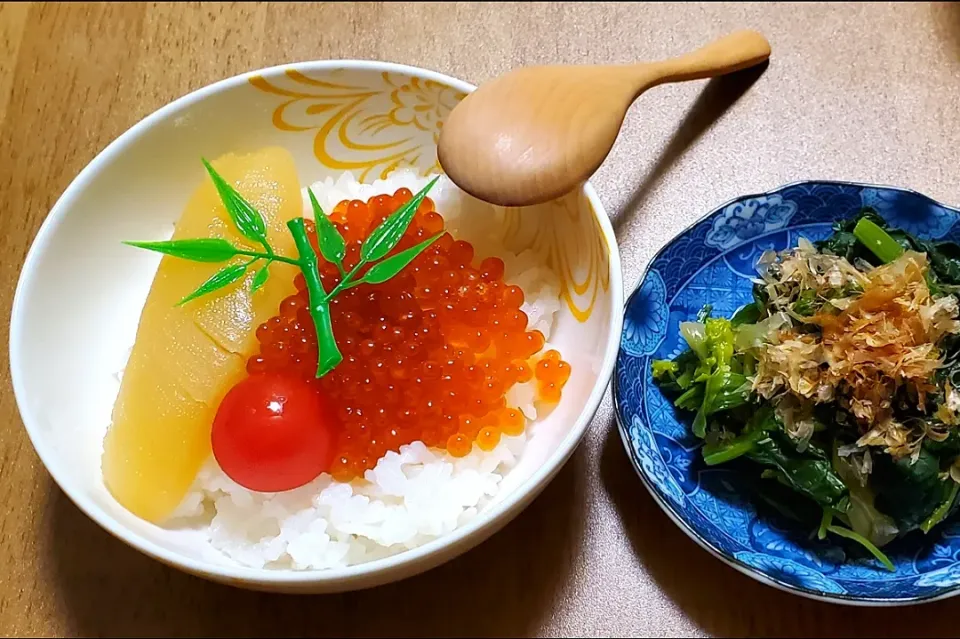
(398, 566)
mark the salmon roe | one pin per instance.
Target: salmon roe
(427, 356)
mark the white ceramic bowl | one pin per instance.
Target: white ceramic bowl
(80, 292)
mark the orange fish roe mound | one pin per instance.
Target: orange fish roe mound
(428, 355)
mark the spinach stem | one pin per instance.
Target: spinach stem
(866, 543)
(942, 510)
(689, 394)
(825, 522)
(719, 454)
(330, 354)
(877, 240)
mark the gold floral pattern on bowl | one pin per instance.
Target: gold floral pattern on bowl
(372, 129)
(372, 124)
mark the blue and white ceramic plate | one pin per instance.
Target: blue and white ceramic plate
(713, 262)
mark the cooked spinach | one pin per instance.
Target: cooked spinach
(747, 314)
(907, 490)
(866, 496)
(806, 474)
(761, 422)
(807, 305)
(948, 449)
(944, 256)
(945, 508)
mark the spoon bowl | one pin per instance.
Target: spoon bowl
(537, 133)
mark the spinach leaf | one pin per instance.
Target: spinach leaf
(807, 304)
(815, 449)
(944, 258)
(760, 296)
(806, 474)
(945, 450)
(747, 314)
(692, 399)
(906, 490)
(728, 390)
(760, 422)
(777, 497)
(841, 243)
(708, 378)
(676, 375)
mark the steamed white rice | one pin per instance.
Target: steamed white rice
(409, 498)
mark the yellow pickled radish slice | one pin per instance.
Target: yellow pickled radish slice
(186, 358)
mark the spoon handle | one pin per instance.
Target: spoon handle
(739, 50)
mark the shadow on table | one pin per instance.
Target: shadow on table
(724, 602)
(719, 95)
(506, 586)
(946, 17)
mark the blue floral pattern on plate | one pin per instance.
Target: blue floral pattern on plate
(649, 323)
(948, 577)
(749, 217)
(653, 465)
(712, 263)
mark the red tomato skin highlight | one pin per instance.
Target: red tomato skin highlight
(274, 433)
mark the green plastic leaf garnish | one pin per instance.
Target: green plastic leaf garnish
(260, 278)
(386, 236)
(319, 308)
(332, 246)
(224, 277)
(200, 250)
(383, 271)
(250, 224)
(246, 218)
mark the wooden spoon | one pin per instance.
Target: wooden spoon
(537, 133)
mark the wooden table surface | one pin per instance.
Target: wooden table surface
(854, 91)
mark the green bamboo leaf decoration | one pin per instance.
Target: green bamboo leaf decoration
(246, 218)
(260, 278)
(224, 277)
(386, 236)
(319, 302)
(250, 224)
(383, 271)
(332, 245)
(200, 250)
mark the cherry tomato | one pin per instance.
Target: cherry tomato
(274, 433)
